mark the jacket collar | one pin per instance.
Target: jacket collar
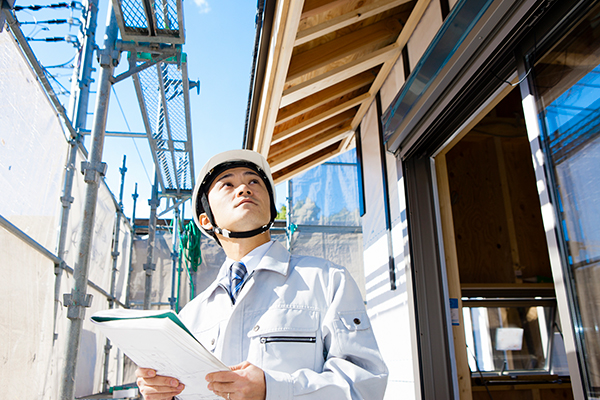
(277, 259)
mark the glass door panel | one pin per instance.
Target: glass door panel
(567, 85)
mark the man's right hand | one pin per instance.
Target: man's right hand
(157, 387)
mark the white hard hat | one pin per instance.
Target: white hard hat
(215, 166)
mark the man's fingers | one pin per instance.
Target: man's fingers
(221, 376)
(145, 372)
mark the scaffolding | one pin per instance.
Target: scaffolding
(152, 34)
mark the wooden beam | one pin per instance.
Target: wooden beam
(453, 276)
(285, 27)
(302, 138)
(337, 75)
(325, 96)
(349, 142)
(315, 7)
(299, 153)
(315, 159)
(362, 12)
(510, 220)
(363, 40)
(278, 137)
(408, 30)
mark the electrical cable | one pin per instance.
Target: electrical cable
(37, 7)
(480, 373)
(63, 65)
(48, 21)
(49, 75)
(129, 129)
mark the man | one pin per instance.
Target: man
(290, 326)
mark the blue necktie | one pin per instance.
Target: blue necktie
(237, 275)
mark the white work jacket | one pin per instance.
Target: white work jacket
(300, 319)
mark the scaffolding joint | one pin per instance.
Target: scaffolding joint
(93, 171)
(114, 255)
(154, 202)
(149, 267)
(76, 308)
(109, 57)
(66, 201)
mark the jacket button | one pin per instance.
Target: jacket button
(256, 328)
(357, 321)
(212, 342)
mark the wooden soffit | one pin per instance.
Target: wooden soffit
(326, 61)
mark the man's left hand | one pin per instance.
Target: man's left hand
(245, 382)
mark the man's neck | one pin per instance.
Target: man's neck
(236, 249)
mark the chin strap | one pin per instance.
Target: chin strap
(241, 235)
(227, 233)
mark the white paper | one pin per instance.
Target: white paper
(163, 345)
(509, 339)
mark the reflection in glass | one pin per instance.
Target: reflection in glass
(567, 82)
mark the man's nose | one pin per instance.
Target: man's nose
(244, 190)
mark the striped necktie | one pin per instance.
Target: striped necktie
(237, 274)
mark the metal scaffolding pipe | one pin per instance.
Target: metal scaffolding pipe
(93, 169)
(174, 256)
(128, 290)
(78, 107)
(113, 277)
(66, 200)
(150, 266)
(82, 74)
(6, 224)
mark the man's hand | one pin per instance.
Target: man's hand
(244, 382)
(155, 387)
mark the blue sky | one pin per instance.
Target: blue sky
(219, 44)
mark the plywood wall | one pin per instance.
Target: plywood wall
(495, 206)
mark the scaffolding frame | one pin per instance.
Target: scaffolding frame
(152, 34)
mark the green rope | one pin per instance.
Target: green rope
(190, 252)
(190, 241)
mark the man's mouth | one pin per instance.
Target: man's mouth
(245, 201)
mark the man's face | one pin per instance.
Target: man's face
(239, 200)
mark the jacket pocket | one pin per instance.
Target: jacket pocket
(286, 339)
(209, 337)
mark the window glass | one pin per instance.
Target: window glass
(508, 339)
(567, 84)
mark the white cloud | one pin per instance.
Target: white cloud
(203, 6)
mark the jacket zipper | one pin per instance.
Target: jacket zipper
(288, 339)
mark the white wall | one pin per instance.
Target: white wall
(388, 309)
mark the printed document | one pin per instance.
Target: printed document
(159, 340)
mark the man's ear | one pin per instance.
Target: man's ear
(205, 222)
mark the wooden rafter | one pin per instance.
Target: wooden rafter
(339, 74)
(310, 161)
(300, 152)
(361, 11)
(339, 122)
(325, 96)
(319, 118)
(367, 39)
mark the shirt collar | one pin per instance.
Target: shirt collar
(277, 260)
(250, 260)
